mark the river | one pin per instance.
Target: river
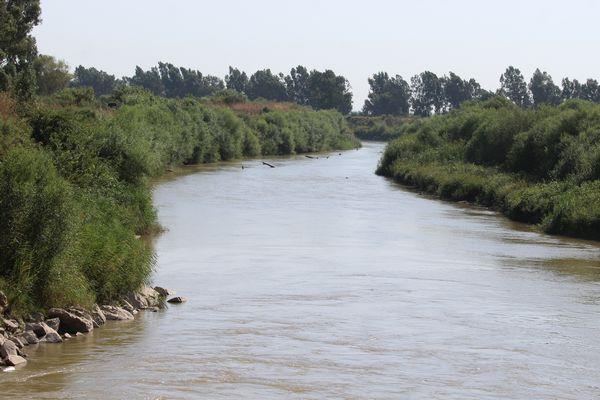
(319, 280)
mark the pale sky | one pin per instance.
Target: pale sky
(473, 38)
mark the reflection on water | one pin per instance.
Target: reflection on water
(320, 280)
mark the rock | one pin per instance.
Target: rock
(72, 321)
(35, 317)
(52, 337)
(80, 312)
(67, 336)
(53, 323)
(30, 337)
(177, 300)
(98, 316)
(3, 301)
(41, 329)
(17, 341)
(116, 313)
(8, 348)
(10, 325)
(162, 291)
(128, 306)
(13, 360)
(143, 298)
(79, 334)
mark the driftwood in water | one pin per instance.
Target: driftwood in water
(312, 157)
(269, 165)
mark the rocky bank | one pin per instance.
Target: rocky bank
(58, 324)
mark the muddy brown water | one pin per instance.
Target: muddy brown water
(319, 280)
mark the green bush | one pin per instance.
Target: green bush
(75, 182)
(540, 166)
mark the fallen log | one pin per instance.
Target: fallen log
(269, 165)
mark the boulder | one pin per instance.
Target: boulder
(14, 360)
(3, 302)
(41, 329)
(8, 348)
(162, 291)
(35, 317)
(67, 336)
(127, 305)
(10, 325)
(18, 342)
(53, 323)
(98, 317)
(177, 300)
(30, 337)
(116, 313)
(52, 337)
(143, 298)
(80, 312)
(72, 321)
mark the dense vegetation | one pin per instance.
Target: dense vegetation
(539, 165)
(74, 189)
(428, 94)
(320, 90)
(381, 127)
(75, 165)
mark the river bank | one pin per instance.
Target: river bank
(75, 181)
(538, 165)
(58, 325)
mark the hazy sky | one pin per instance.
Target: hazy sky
(473, 38)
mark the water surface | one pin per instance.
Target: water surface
(319, 280)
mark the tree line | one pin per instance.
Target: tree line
(25, 73)
(428, 94)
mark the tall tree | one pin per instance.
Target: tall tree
(265, 84)
(102, 82)
(571, 89)
(17, 47)
(543, 89)
(297, 84)
(237, 80)
(590, 91)
(329, 91)
(513, 87)
(457, 90)
(149, 80)
(388, 95)
(176, 82)
(427, 94)
(51, 75)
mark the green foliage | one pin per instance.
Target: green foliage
(536, 165)
(266, 85)
(51, 74)
(74, 182)
(171, 81)
(17, 46)
(383, 128)
(427, 94)
(102, 82)
(389, 96)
